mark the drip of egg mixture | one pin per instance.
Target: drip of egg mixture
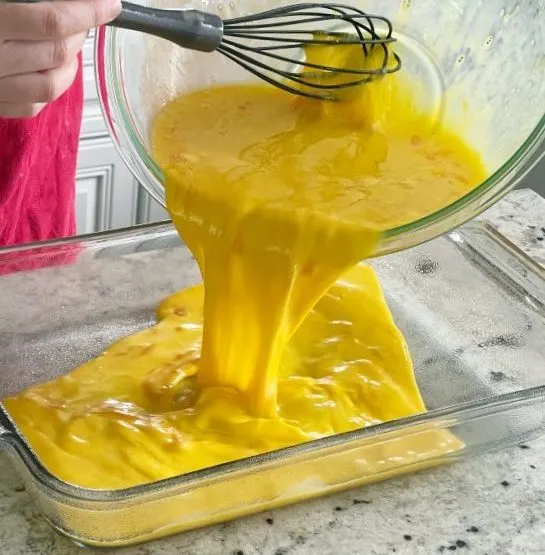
(277, 196)
(288, 339)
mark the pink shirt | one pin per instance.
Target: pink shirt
(38, 158)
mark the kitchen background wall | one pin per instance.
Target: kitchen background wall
(536, 180)
(107, 196)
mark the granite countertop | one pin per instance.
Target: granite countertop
(494, 504)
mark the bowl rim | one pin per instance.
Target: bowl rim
(109, 79)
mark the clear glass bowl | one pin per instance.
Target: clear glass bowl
(479, 63)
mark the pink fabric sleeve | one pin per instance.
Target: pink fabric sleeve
(38, 158)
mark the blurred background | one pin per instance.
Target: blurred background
(536, 180)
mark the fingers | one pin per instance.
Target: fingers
(18, 111)
(18, 57)
(41, 87)
(54, 20)
(39, 43)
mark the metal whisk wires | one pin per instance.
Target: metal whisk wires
(307, 49)
(273, 45)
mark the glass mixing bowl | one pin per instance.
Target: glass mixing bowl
(479, 64)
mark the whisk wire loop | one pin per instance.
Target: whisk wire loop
(277, 45)
(254, 43)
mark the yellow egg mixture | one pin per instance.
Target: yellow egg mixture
(289, 339)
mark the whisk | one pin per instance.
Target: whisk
(256, 42)
(261, 41)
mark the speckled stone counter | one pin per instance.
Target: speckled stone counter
(494, 504)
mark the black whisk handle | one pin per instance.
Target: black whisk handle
(188, 28)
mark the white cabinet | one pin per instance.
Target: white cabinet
(148, 209)
(106, 192)
(107, 195)
(86, 203)
(93, 124)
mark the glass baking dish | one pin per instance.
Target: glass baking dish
(471, 306)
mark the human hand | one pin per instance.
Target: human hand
(39, 44)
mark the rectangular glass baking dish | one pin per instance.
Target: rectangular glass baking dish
(471, 306)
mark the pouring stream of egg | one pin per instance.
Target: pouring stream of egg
(289, 338)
